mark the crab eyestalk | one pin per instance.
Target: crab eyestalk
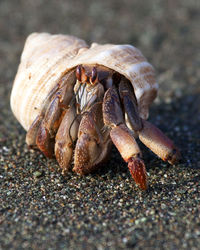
(94, 76)
(87, 89)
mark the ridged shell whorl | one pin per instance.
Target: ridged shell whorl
(46, 58)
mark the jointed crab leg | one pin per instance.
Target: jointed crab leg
(123, 138)
(65, 138)
(44, 141)
(130, 104)
(33, 130)
(130, 152)
(159, 143)
(150, 135)
(48, 128)
(53, 114)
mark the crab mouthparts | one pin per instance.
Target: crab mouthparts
(87, 94)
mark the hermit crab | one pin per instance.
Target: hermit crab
(75, 100)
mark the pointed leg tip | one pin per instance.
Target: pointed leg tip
(138, 172)
(63, 154)
(174, 157)
(44, 142)
(78, 170)
(64, 172)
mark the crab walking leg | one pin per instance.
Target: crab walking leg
(33, 130)
(92, 145)
(44, 141)
(35, 126)
(130, 104)
(48, 127)
(53, 115)
(159, 143)
(65, 138)
(151, 136)
(130, 152)
(123, 138)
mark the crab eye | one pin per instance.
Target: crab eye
(78, 72)
(94, 77)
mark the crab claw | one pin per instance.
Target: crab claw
(93, 144)
(65, 138)
(86, 153)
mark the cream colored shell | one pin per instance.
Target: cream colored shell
(46, 58)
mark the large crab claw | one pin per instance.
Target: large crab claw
(66, 137)
(93, 144)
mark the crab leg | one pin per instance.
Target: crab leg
(151, 136)
(65, 138)
(159, 143)
(130, 152)
(45, 138)
(52, 118)
(65, 85)
(32, 133)
(33, 130)
(93, 145)
(123, 138)
(130, 105)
